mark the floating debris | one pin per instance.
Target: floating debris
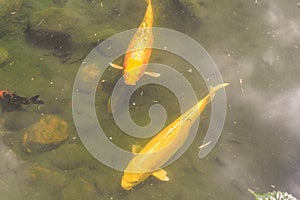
(204, 145)
(242, 85)
(275, 195)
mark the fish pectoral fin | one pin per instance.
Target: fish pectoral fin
(116, 66)
(161, 175)
(153, 74)
(136, 149)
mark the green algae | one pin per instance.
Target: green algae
(3, 56)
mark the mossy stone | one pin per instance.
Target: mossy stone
(8, 7)
(69, 156)
(52, 29)
(79, 189)
(62, 29)
(43, 175)
(46, 134)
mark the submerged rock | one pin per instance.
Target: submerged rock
(9, 7)
(79, 189)
(42, 175)
(60, 2)
(69, 156)
(61, 31)
(52, 29)
(3, 55)
(184, 14)
(10, 21)
(46, 134)
(194, 8)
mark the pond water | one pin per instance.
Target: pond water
(255, 45)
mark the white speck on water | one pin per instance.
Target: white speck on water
(74, 138)
(241, 81)
(189, 70)
(110, 138)
(133, 103)
(51, 82)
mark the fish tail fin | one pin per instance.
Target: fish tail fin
(148, 2)
(34, 100)
(213, 90)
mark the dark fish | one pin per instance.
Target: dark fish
(11, 99)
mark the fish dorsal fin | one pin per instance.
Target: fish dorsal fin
(136, 149)
(161, 174)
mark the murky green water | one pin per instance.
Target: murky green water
(256, 46)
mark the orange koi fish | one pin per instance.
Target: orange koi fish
(138, 55)
(149, 160)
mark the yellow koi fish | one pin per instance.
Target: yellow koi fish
(138, 55)
(163, 146)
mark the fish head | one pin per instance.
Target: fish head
(129, 179)
(133, 71)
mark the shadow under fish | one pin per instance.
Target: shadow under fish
(119, 102)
